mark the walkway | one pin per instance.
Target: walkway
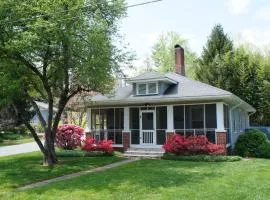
(19, 148)
(70, 176)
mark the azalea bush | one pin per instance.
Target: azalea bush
(69, 136)
(193, 145)
(90, 144)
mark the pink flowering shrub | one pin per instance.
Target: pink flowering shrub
(69, 136)
(193, 145)
(105, 146)
(90, 144)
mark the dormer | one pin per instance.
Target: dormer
(154, 83)
(151, 83)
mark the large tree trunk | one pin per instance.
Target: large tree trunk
(49, 157)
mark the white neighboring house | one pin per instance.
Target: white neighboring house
(153, 106)
(43, 107)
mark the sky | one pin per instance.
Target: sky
(243, 20)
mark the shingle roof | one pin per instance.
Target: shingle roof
(187, 89)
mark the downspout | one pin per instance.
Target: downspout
(231, 123)
(249, 118)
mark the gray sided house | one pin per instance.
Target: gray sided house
(153, 106)
(43, 107)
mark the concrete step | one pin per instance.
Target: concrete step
(144, 152)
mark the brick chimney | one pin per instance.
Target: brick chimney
(179, 60)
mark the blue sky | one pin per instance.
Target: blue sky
(244, 20)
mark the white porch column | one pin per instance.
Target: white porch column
(170, 119)
(126, 119)
(88, 128)
(220, 117)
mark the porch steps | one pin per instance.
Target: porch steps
(144, 152)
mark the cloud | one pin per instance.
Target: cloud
(258, 37)
(263, 13)
(238, 6)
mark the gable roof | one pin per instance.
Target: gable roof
(182, 89)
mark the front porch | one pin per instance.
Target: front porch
(150, 126)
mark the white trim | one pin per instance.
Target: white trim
(147, 88)
(165, 79)
(220, 116)
(89, 120)
(170, 125)
(159, 105)
(154, 127)
(117, 145)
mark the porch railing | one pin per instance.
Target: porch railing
(109, 134)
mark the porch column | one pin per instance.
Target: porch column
(126, 119)
(221, 133)
(87, 131)
(170, 127)
(126, 132)
(220, 117)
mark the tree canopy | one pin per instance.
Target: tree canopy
(163, 53)
(218, 44)
(240, 70)
(52, 50)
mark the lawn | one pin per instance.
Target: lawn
(164, 179)
(10, 138)
(27, 168)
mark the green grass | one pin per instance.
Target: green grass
(27, 168)
(164, 179)
(10, 138)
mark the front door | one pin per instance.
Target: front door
(148, 126)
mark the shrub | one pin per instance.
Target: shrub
(68, 136)
(248, 144)
(90, 144)
(264, 150)
(199, 158)
(193, 145)
(105, 146)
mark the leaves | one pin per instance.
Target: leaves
(163, 53)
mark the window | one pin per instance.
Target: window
(210, 116)
(152, 88)
(141, 89)
(147, 88)
(194, 116)
(178, 117)
(108, 124)
(161, 124)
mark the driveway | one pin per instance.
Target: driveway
(19, 148)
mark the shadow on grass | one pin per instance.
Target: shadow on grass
(141, 175)
(163, 179)
(27, 168)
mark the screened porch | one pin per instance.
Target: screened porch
(149, 125)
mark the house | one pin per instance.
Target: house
(153, 106)
(43, 107)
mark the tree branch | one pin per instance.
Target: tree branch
(35, 136)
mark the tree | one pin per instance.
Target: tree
(57, 49)
(218, 44)
(163, 53)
